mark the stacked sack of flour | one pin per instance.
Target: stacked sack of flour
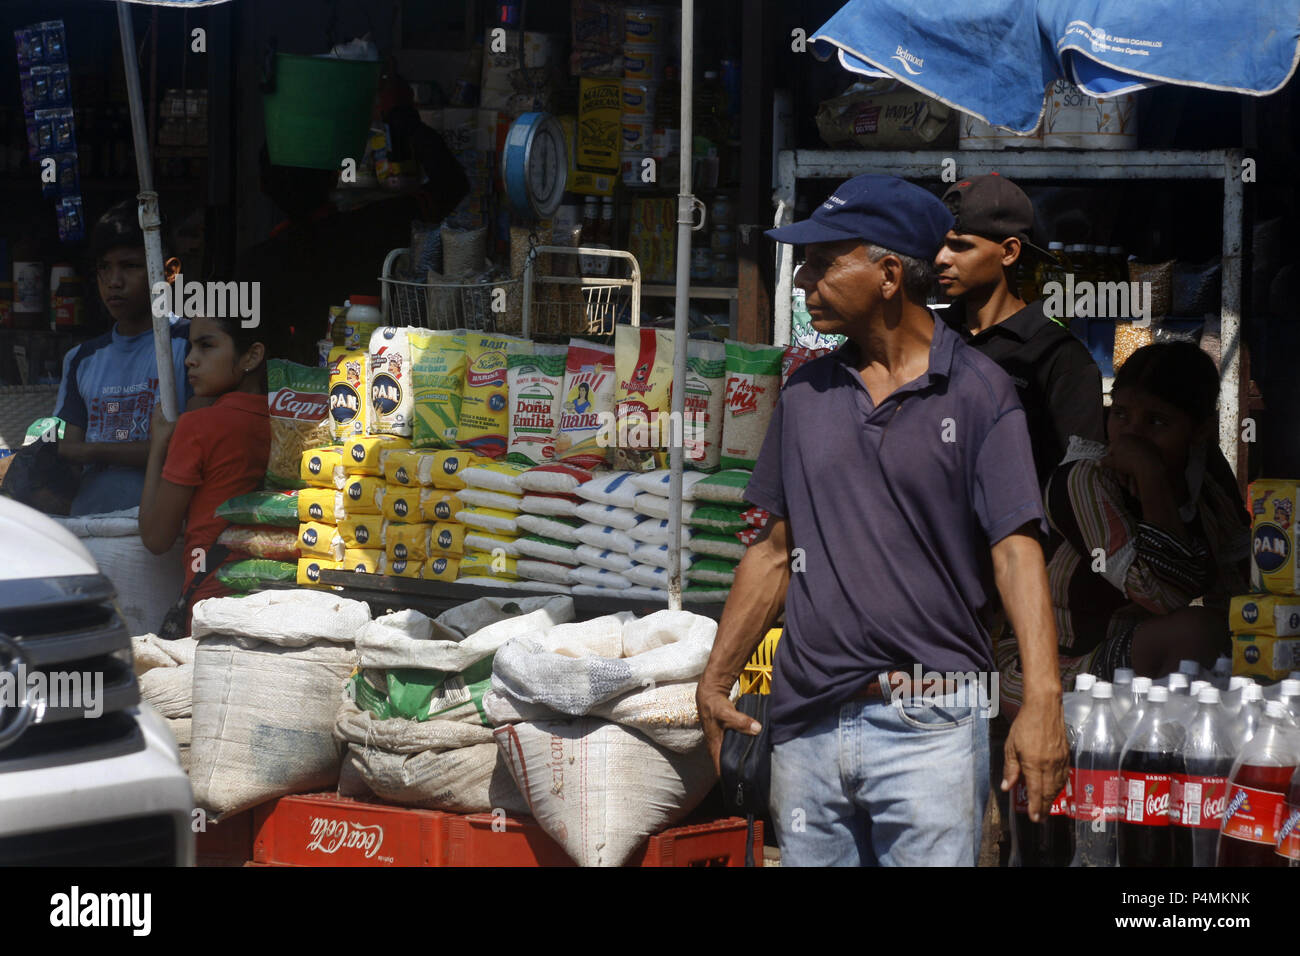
(597, 724)
(413, 720)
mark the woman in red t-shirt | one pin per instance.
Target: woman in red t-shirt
(211, 454)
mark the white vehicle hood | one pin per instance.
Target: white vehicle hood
(33, 546)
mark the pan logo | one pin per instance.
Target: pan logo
(908, 61)
(363, 534)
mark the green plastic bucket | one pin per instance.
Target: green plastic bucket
(319, 111)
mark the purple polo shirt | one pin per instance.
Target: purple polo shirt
(895, 508)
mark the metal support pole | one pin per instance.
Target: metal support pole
(1230, 410)
(784, 202)
(681, 319)
(150, 219)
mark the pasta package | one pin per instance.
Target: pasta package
(279, 508)
(360, 494)
(400, 503)
(348, 408)
(447, 466)
(309, 570)
(362, 532)
(536, 394)
(440, 505)
(392, 399)
(317, 504)
(361, 455)
(753, 387)
(317, 466)
(441, 568)
(261, 541)
(588, 401)
(643, 375)
(317, 539)
(361, 560)
(704, 401)
(447, 537)
(406, 541)
(297, 401)
(485, 400)
(438, 376)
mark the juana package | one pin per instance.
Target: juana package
(753, 387)
(1273, 565)
(438, 370)
(392, 399)
(588, 404)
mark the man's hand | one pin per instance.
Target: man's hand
(1036, 750)
(717, 715)
(1135, 459)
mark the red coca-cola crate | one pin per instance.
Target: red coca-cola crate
(225, 843)
(485, 839)
(481, 839)
(325, 830)
(717, 843)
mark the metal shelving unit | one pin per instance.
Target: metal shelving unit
(1047, 164)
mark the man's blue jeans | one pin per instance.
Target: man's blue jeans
(885, 784)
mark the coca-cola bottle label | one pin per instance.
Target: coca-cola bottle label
(1071, 808)
(1146, 798)
(1097, 795)
(1020, 799)
(1288, 838)
(1253, 815)
(1198, 801)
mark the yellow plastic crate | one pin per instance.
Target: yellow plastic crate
(756, 678)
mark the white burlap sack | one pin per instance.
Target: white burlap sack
(599, 789)
(666, 713)
(665, 647)
(433, 765)
(169, 689)
(264, 710)
(181, 728)
(286, 618)
(459, 637)
(150, 651)
(147, 584)
(599, 637)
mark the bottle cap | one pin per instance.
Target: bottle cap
(1196, 687)
(1054, 245)
(1158, 694)
(1190, 668)
(1176, 681)
(1294, 675)
(1289, 688)
(1208, 695)
(1084, 682)
(1102, 690)
(1252, 692)
(1123, 675)
(1275, 709)
(1142, 685)
(1238, 682)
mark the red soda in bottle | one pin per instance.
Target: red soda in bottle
(1288, 839)
(1253, 819)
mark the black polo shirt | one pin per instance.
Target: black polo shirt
(1056, 379)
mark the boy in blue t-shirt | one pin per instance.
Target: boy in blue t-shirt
(110, 384)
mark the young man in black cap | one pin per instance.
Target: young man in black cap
(1058, 382)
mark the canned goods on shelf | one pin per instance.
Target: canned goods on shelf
(701, 265)
(723, 239)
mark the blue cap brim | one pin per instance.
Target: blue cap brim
(808, 232)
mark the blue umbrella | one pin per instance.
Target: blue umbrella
(994, 58)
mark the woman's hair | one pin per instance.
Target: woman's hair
(1175, 372)
(120, 227)
(244, 338)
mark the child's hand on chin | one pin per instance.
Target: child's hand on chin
(160, 429)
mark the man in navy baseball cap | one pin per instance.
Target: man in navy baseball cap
(899, 466)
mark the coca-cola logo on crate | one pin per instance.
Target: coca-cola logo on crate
(330, 836)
